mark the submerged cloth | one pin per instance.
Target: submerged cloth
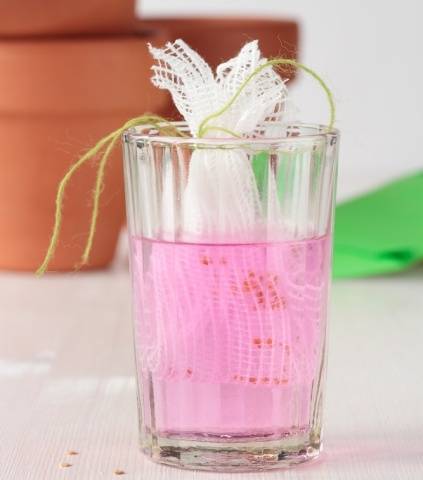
(380, 232)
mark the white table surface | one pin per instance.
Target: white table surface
(67, 381)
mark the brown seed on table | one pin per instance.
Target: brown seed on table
(65, 465)
(119, 472)
(72, 452)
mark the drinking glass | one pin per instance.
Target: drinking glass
(230, 254)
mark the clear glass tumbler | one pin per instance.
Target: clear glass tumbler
(231, 248)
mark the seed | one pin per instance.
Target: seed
(72, 452)
(65, 465)
(256, 341)
(119, 472)
(205, 260)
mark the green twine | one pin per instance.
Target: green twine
(109, 141)
(277, 62)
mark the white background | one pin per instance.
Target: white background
(370, 54)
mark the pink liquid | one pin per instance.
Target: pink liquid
(229, 337)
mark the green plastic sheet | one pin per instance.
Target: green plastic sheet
(380, 232)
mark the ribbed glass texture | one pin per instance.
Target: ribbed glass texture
(230, 244)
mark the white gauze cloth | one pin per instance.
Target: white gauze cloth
(221, 196)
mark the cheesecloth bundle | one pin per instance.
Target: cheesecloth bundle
(218, 178)
(219, 313)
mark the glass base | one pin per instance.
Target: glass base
(225, 454)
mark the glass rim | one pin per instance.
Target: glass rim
(317, 132)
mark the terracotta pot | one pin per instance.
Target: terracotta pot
(219, 39)
(57, 98)
(46, 17)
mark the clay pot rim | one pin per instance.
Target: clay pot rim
(149, 32)
(118, 61)
(221, 22)
(246, 27)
